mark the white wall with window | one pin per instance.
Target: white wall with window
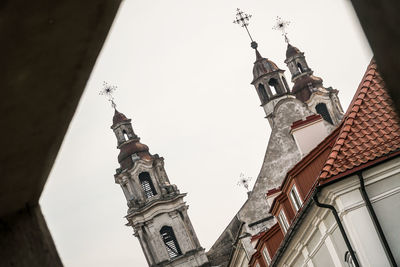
(318, 241)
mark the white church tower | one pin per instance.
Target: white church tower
(157, 211)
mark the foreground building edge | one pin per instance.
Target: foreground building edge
(364, 154)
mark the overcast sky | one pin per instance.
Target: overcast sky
(183, 72)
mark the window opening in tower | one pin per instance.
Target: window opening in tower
(172, 246)
(323, 111)
(263, 94)
(147, 185)
(126, 137)
(273, 84)
(301, 70)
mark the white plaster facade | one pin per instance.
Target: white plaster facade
(318, 241)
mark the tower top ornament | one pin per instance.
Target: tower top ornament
(242, 19)
(108, 91)
(281, 25)
(243, 181)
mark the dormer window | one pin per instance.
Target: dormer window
(283, 221)
(295, 198)
(172, 246)
(147, 185)
(266, 256)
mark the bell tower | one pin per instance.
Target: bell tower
(269, 81)
(309, 88)
(156, 209)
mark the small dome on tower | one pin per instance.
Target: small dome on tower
(292, 51)
(263, 66)
(119, 117)
(302, 85)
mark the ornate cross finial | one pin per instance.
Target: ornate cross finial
(243, 20)
(108, 91)
(243, 181)
(281, 25)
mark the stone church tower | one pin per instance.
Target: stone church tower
(157, 211)
(283, 107)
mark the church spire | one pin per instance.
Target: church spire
(268, 79)
(157, 212)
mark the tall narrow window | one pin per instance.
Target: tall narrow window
(126, 137)
(300, 67)
(172, 246)
(323, 111)
(295, 198)
(147, 185)
(266, 256)
(274, 86)
(283, 221)
(262, 93)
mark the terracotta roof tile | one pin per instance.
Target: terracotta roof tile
(370, 128)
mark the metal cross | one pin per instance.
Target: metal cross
(108, 91)
(243, 20)
(243, 181)
(281, 25)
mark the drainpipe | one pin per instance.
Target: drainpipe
(374, 218)
(341, 228)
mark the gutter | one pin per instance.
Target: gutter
(306, 205)
(375, 220)
(340, 225)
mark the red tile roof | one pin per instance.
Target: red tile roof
(370, 128)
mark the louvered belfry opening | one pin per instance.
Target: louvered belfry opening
(323, 111)
(170, 242)
(147, 185)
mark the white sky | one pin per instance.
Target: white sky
(183, 72)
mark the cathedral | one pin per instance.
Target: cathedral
(156, 208)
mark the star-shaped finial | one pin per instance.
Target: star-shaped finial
(281, 25)
(243, 181)
(108, 91)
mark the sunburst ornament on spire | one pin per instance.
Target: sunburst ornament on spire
(108, 91)
(281, 25)
(243, 181)
(242, 19)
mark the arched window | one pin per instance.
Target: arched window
(172, 246)
(323, 111)
(147, 185)
(262, 93)
(126, 137)
(300, 67)
(274, 86)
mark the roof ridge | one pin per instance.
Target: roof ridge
(349, 117)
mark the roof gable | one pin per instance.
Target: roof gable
(370, 128)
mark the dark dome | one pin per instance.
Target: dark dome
(291, 51)
(131, 148)
(301, 86)
(119, 117)
(263, 66)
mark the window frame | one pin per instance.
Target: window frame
(167, 236)
(283, 221)
(148, 191)
(266, 255)
(295, 198)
